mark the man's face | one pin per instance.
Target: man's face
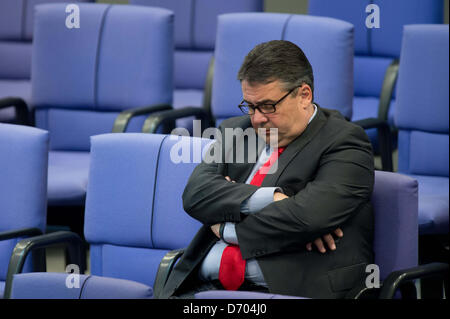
(292, 113)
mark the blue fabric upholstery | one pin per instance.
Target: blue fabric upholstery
(353, 11)
(67, 186)
(331, 59)
(376, 48)
(195, 37)
(102, 80)
(16, 34)
(23, 184)
(54, 286)
(129, 172)
(133, 204)
(82, 98)
(386, 40)
(423, 60)
(143, 268)
(422, 117)
(395, 203)
(15, 61)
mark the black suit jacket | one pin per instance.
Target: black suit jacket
(328, 173)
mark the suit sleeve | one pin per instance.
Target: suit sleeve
(342, 184)
(209, 197)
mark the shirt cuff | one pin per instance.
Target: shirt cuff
(229, 234)
(260, 199)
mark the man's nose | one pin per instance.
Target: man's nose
(259, 117)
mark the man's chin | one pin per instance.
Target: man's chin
(270, 136)
(271, 139)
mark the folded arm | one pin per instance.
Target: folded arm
(343, 183)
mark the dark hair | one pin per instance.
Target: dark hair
(277, 60)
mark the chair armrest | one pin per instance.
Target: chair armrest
(73, 243)
(153, 122)
(361, 291)
(165, 268)
(24, 232)
(390, 77)
(398, 278)
(21, 107)
(384, 139)
(122, 120)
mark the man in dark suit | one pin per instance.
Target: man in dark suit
(266, 220)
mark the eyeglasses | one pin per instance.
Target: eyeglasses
(265, 108)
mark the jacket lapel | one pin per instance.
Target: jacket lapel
(240, 170)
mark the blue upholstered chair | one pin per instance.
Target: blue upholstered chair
(23, 188)
(377, 50)
(16, 35)
(83, 78)
(331, 58)
(395, 205)
(134, 212)
(422, 118)
(195, 37)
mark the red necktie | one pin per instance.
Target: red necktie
(232, 266)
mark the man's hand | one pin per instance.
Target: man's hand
(279, 196)
(216, 230)
(328, 238)
(229, 179)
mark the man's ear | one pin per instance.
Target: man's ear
(305, 93)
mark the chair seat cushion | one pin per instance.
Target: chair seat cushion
(188, 97)
(367, 107)
(67, 177)
(433, 204)
(183, 98)
(60, 286)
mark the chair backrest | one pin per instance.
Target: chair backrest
(83, 77)
(133, 207)
(376, 48)
(16, 34)
(331, 57)
(423, 101)
(395, 205)
(195, 34)
(23, 183)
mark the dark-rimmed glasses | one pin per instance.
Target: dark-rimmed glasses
(265, 108)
